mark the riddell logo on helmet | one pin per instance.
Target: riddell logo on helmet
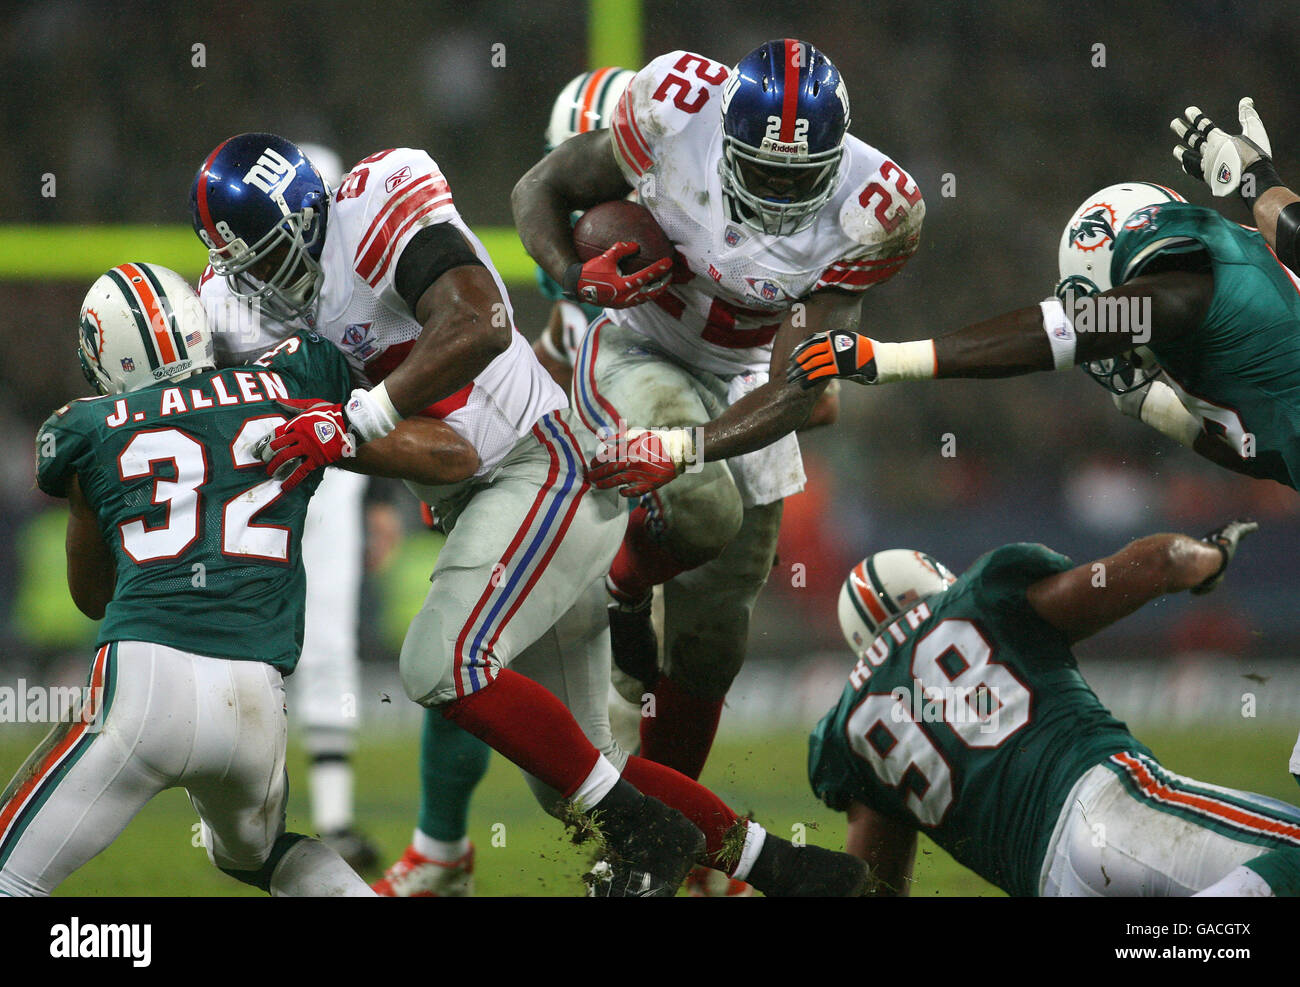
(782, 147)
(1095, 228)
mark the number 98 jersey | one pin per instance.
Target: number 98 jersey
(734, 285)
(207, 547)
(968, 717)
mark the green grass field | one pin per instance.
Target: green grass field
(156, 855)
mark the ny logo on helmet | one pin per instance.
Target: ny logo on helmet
(273, 174)
(1095, 229)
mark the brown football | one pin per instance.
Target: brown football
(604, 225)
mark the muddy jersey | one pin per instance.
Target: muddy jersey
(380, 205)
(734, 285)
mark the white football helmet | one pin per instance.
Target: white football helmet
(1088, 240)
(1084, 256)
(882, 586)
(586, 103)
(141, 324)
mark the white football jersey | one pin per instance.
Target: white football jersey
(733, 285)
(378, 208)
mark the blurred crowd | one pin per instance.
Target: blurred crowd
(1007, 114)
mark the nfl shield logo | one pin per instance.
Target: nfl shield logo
(732, 236)
(128, 364)
(769, 291)
(324, 431)
(1225, 174)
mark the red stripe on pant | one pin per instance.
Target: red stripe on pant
(497, 580)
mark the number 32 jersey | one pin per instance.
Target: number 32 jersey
(379, 207)
(968, 718)
(207, 547)
(734, 285)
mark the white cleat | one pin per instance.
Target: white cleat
(418, 876)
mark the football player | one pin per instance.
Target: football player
(1140, 268)
(966, 718)
(387, 271)
(1242, 164)
(780, 219)
(439, 862)
(191, 557)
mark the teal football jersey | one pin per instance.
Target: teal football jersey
(967, 717)
(207, 546)
(1239, 372)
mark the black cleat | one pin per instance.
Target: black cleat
(784, 870)
(633, 640)
(649, 848)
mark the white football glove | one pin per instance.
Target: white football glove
(1215, 157)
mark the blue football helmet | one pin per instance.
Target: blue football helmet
(261, 208)
(785, 114)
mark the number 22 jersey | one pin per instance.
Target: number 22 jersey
(733, 285)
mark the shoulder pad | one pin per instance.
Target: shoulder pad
(885, 215)
(660, 102)
(396, 193)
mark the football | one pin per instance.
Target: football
(604, 225)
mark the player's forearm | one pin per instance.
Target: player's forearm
(577, 175)
(1266, 208)
(542, 217)
(421, 450)
(1005, 346)
(758, 419)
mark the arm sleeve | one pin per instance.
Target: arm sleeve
(429, 255)
(61, 447)
(1288, 237)
(1000, 591)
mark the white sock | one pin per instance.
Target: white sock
(1240, 883)
(755, 835)
(603, 777)
(331, 795)
(310, 869)
(444, 851)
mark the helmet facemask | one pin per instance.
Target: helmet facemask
(295, 286)
(809, 181)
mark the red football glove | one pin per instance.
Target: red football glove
(599, 281)
(315, 439)
(641, 460)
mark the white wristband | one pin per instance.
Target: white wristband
(371, 413)
(1060, 333)
(1164, 412)
(904, 361)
